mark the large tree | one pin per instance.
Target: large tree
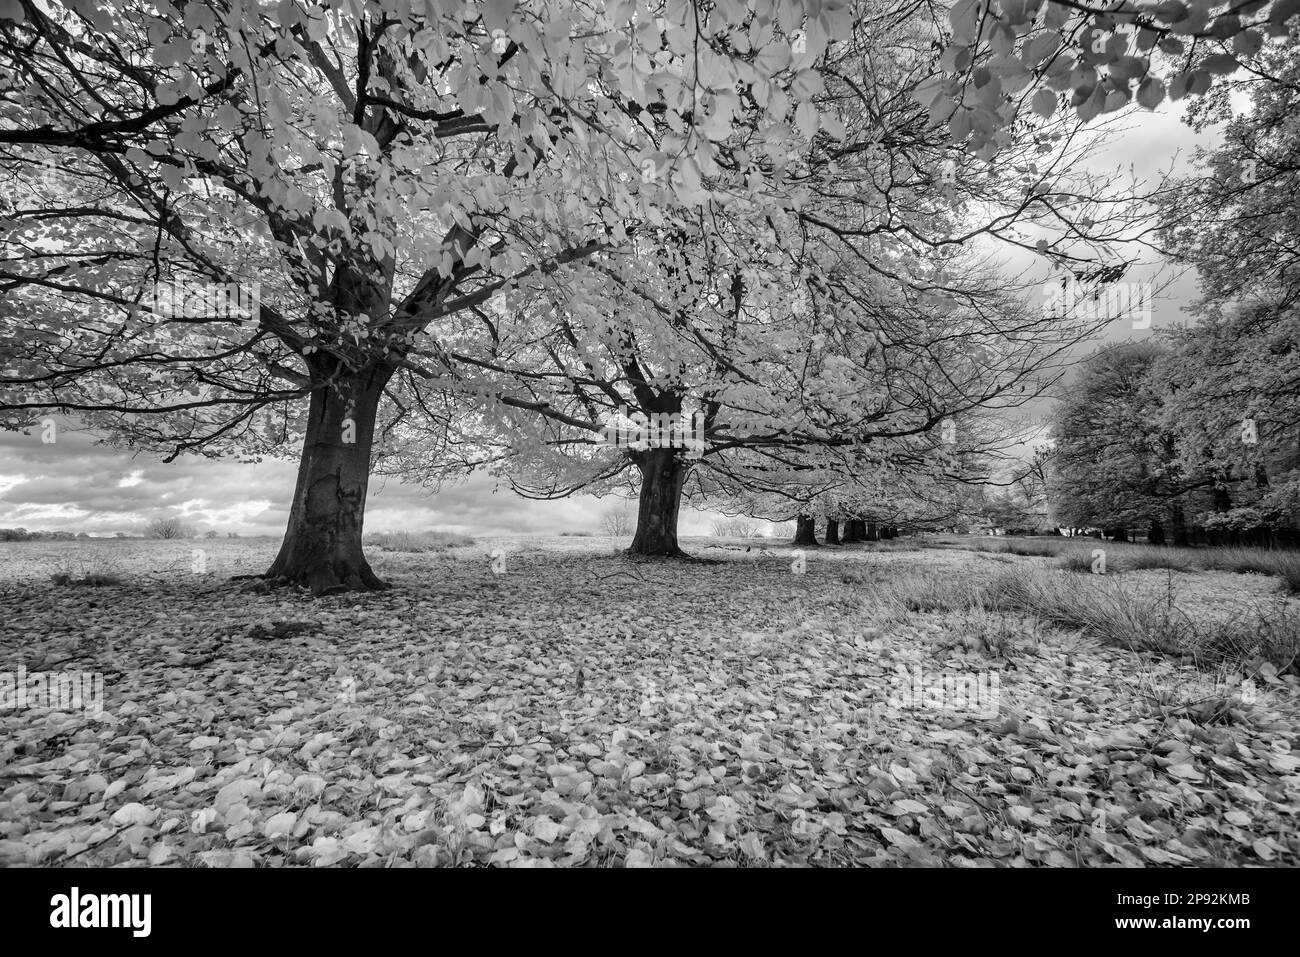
(368, 170)
(842, 300)
(1232, 382)
(1115, 459)
(364, 175)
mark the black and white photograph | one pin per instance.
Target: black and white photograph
(650, 434)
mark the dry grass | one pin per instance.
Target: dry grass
(1079, 561)
(86, 571)
(433, 540)
(1076, 554)
(1110, 611)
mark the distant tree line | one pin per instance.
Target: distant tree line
(165, 528)
(1144, 443)
(22, 535)
(1193, 436)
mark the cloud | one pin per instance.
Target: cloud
(76, 484)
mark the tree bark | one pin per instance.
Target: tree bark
(1156, 534)
(663, 474)
(805, 531)
(872, 535)
(322, 544)
(832, 531)
(853, 532)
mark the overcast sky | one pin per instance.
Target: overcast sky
(75, 485)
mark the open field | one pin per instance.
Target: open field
(577, 709)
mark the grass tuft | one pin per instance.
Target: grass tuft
(80, 572)
(1112, 612)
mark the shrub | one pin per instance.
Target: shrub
(737, 526)
(169, 528)
(616, 522)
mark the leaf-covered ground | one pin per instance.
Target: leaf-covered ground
(581, 710)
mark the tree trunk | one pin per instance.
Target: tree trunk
(1179, 524)
(832, 531)
(852, 532)
(1156, 534)
(872, 535)
(322, 544)
(805, 532)
(663, 474)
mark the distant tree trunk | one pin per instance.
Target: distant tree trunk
(805, 531)
(853, 531)
(872, 535)
(1119, 533)
(1156, 534)
(1179, 525)
(322, 543)
(663, 474)
(832, 531)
